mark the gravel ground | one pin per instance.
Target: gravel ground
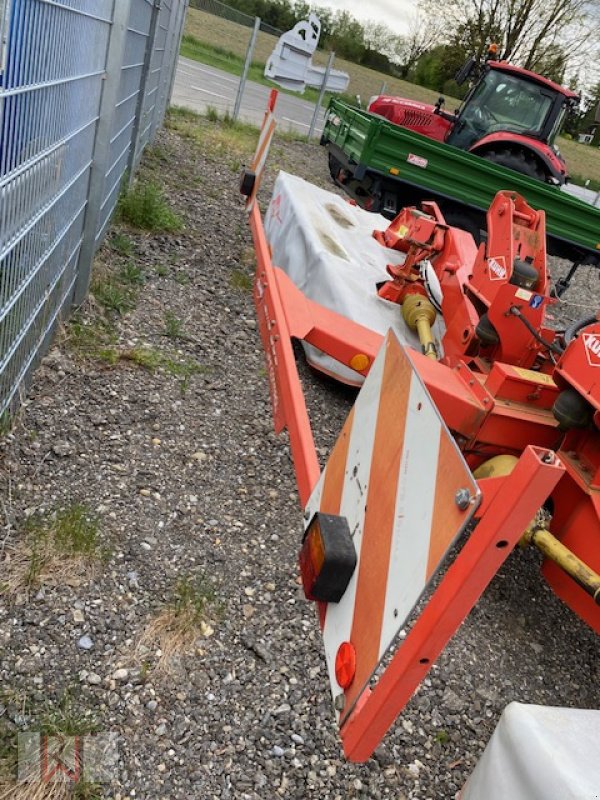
(188, 479)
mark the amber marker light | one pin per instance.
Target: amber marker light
(327, 558)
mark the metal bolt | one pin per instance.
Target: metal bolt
(339, 702)
(462, 499)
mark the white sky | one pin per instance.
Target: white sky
(395, 13)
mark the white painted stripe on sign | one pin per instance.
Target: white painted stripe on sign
(339, 617)
(415, 501)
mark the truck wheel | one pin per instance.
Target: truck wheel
(518, 161)
(461, 219)
(334, 167)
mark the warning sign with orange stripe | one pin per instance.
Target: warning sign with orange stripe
(399, 479)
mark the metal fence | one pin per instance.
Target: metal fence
(224, 54)
(84, 85)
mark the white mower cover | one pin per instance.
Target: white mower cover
(326, 246)
(539, 753)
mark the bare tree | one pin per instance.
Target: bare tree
(527, 31)
(425, 31)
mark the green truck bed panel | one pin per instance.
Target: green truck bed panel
(380, 146)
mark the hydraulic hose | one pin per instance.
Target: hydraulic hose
(574, 328)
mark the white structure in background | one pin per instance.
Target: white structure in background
(290, 64)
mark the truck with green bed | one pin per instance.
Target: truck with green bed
(385, 167)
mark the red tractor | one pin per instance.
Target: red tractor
(510, 116)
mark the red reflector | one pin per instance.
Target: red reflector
(345, 664)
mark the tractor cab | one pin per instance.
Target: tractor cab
(511, 100)
(512, 116)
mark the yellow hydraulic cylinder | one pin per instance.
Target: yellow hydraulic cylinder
(551, 548)
(496, 467)
(540, 537)
(419, 314)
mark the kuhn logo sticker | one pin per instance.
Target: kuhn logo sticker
(417, 161)
(592, 348)
(497, 268)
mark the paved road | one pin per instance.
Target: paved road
(198, 86)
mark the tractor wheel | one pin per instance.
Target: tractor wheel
(518, 161)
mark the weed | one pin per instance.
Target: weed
(91, 338)
(182, 113)
(67, 718)
(442, 737)
(212, 115)
(6, 422)
(144, 206)
(131, 274)
(112, 295)
(58, 548)
(173, 326)
(144, 357)
(241, 280)
(182, 277)
(189, 615)
(161, 270)
(121, 244)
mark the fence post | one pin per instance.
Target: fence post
(184, 6)
(108, 102)
(383, 88)
(313, 123)
(242, 83)
(141, 101)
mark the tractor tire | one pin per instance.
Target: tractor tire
(517, 161)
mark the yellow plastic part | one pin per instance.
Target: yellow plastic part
(419, 314)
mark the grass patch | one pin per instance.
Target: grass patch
(131, 274)
(121, 244)
(593, 183)
(58, 549)
(153, 360)
(241, 280)
(212, 115)
(64, 719)
(91, 338)
(144, 206)
(112, 295)
(189, 616)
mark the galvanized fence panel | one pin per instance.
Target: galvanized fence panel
(134, 52)
(59, 173)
